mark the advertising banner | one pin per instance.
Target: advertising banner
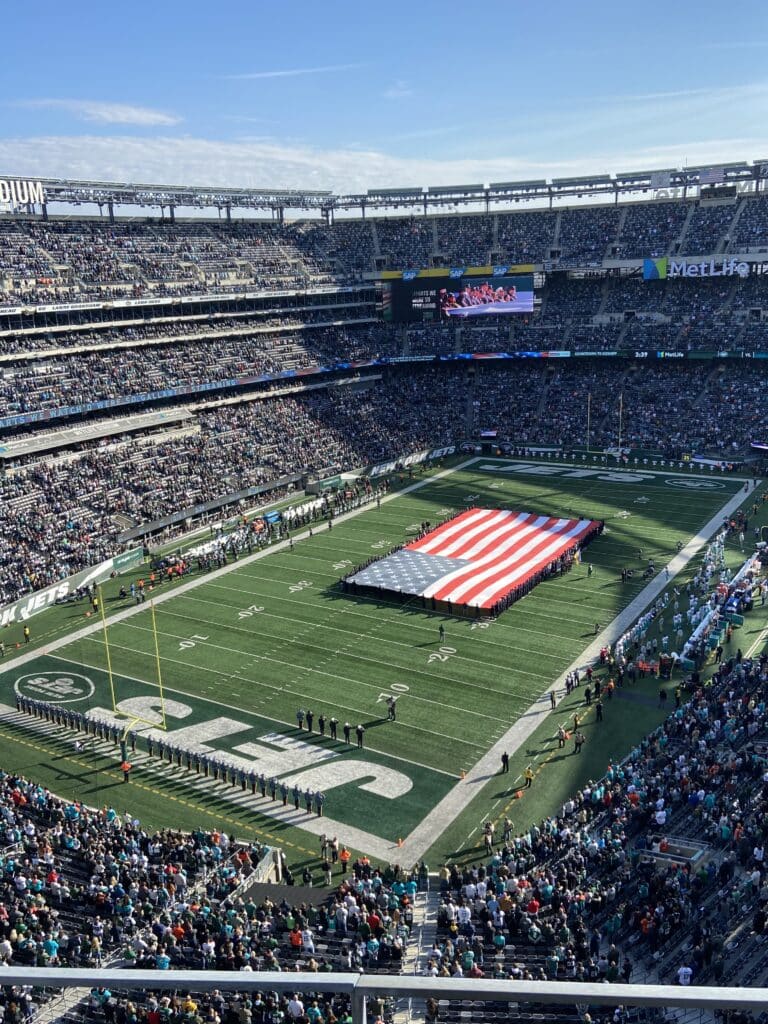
(31, 604)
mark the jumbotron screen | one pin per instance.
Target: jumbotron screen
(428, 299)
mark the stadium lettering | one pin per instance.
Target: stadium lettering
(410, 460)
(274, 754)
(382, 781)
(17, 193)
(708, 268)
(599, 474)
(22, 610)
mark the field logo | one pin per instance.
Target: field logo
(655, 270)
(696, 485)
(59, 689)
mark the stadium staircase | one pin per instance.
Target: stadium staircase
(608, 254)
(678, 245)
(727, 242)
(604, 295)
(495, 235)
(556, 232)
(469, 406)
(375, 236)
(735, 342)
(423, 936)
(722, 242)
(549, 375)
(702, 396)
(622, 334)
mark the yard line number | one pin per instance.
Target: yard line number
(186, 645)
(398, 689)
(296, 588)
(441, 654)
(251, 610)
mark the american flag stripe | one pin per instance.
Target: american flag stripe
(428, 545)
(521, 547)
(515, 539)
(501, 583)
(480, 540)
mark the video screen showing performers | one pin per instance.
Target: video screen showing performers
(492, 297)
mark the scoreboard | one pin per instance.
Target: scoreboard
(430, 297)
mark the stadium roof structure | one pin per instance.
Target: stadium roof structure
(123, 194)
(105, 193)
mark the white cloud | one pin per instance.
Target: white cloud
(250, 76)
(741, 93)
(399, 90)
(269, 163)
(106, 113)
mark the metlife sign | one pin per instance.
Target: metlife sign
(664, 268)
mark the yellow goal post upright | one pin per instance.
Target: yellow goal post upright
(134, 719)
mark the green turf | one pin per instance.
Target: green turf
(277, 634)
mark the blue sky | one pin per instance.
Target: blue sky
(350, 96)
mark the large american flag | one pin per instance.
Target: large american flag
(477, 558)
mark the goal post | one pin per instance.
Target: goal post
(133, 718)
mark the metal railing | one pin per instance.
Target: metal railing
(360, 987)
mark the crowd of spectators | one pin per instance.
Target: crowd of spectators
(751, 230)
(465, 241)
(83, 887)
(601, 893)
(79, 884)
(650, 229)
(654, 872)
(526, 237)
(585, 234)
(61, 514)
(583, 895)
(85, 259)
(346, 309)
(83, 377)
(708, 230)
(672, 409)
(406, 244)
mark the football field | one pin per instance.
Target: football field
(240, 650)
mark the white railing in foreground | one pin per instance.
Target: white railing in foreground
(360, 986)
